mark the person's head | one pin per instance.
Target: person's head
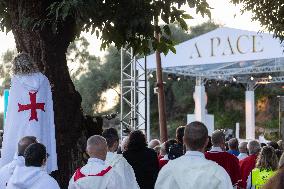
(281, 145)
(153, 143)
(24, 143)
(112, 139)
(209, 145)
(273, 145)
(195, 136)
(163, 149)
(136, 140)
(243, 147)
(35, 155)
(180, 134)
(267, 159)
(218, 139)
(253, 147)
(97, 147)
(24, 65)
(169, 144)
(233, 144)
(262, 145)
(124, 144)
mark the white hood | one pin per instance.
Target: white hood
(31, 82)
(17, 161)
(24, 177)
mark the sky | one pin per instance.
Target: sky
(223, 12)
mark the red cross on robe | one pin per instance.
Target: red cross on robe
(33, 106)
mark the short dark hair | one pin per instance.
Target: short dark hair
(195, 135)
(111, 136)
(136, 140)
(218, 137)
(168, 144)
(35, 154)
(24, 143)
(180, 134)
(273, 145)
(233, 143)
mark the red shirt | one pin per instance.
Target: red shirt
(228, 161)
(162, 162)
(247, 165)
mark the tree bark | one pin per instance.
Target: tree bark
(161, 93)
(48, 49)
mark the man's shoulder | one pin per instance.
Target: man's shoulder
(183, 160)
(116, 159)
(248, 159)
(47, 181)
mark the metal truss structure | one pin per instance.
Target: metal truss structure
(260, 71)
(133, 101)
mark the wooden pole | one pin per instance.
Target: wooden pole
(161, 94)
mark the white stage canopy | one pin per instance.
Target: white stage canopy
(224, 54)
(220, 46)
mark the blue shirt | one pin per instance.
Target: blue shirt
(234, 152)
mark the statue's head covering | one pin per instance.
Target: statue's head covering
(23, 65)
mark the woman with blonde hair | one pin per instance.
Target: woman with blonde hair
(266, 166)
(277, 181)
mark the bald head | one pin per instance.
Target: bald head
(24, 143)
(195, 136)
(97, 147)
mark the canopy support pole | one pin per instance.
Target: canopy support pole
(250, 111)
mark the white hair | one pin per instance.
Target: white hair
(254, 147)
(23, 65)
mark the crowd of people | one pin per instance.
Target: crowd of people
(192, 160)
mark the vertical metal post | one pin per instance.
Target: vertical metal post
(121, 91)
(134, 90)
(133, 75)
(146, 99)
(279, 116)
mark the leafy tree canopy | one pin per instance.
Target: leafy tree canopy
(124, 23)
(269, 13)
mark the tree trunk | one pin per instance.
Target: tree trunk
(48, 49)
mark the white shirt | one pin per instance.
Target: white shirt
(216, 149)
(242, 156)
(122, 168)
(110, 180)
(193, 171)
(7, 171)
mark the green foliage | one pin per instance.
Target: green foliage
(5, 69)
(124, 23)
(94, 76)
(271, 124)
(269, 13)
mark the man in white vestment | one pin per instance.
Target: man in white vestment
(7, 171)
(117, 161)
(30, 111)
(96, 174)
(192, 170)
(33, 175)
